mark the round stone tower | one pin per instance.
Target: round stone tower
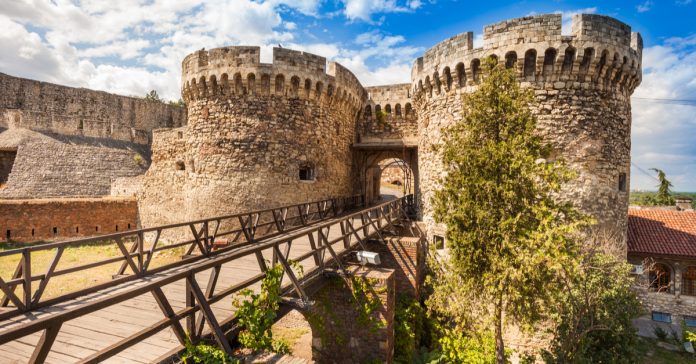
(582, 83)
(258, 135)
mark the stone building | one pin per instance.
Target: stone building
(662, 248)
(299, 128)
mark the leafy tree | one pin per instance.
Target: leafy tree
(509, 239)
(178, 103)
(594, 322)
(664, 194)
(152, 96)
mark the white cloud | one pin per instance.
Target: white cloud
(364, 9)
(645, 6)
(124, 49)
(567, 18)
(662, 131)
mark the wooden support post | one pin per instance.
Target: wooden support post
(210, 289)
(191, 318)
(43, 347)
(209, 316)
(291, 275)
(17, 273)
(168, 311)
(48, 275)
(26, 274)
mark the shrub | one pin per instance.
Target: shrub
(408, 328)
(206, 354)
(256, 313)
(660, 333)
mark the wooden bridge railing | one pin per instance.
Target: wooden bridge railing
(355, 229)
(196, 237)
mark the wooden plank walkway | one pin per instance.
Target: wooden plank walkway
(86, 335)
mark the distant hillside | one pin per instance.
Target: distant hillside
(642, 198)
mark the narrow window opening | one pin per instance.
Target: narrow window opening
(8, 234)
(622, 182)
(306, 173)
(55, 231)
(128, 226)
(180, 166)
(96, 228)
(81, 125)
(77, 229)
(439, 242)
(32, 232)
(116, 227)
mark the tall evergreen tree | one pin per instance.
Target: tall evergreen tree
(664, 192)
(508, 237)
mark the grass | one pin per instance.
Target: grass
(653, 354)
(288, 335)
(75, 256)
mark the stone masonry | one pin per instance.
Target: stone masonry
(582, 82)
(258, 135)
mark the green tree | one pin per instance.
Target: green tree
(152, 96)
(509, 239)
(594, 321)
(664, 193)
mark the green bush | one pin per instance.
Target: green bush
(206, 354)
(408, 328)
(458, 348)
(660, 333)
(256, 313)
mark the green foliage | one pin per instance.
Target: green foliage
(409, 327)
(659, 332)
(690, 336)
(646, 198)
(178, 103)
(152, 96)
(381, 118)
(456, 347)
(509, 238)
(206, 354)
(366, 303)
(664, 194)
(256, 313)
(595, 312)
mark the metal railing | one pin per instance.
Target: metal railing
(197, 237)
(355, 229)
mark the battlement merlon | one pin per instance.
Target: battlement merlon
(593, 38)
(238, 70)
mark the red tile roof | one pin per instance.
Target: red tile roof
(662, 232)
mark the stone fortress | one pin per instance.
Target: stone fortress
(259, 135)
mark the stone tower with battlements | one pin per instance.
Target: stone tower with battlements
(582, 84)
(299, 128)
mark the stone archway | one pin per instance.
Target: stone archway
(368, 168)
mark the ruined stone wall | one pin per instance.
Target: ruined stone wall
(52, 219)
(254, 132)
(7, 158)
(50, 108)
(582, 84)
(59, 166)
(388, 115)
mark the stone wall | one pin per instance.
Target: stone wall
(7, 158)
(342, 332)
(53, 165)
(258, 136)
(388, 115)
(674, 301)
(51, 108)
(406, 256)
(582, 85)
(52, 219)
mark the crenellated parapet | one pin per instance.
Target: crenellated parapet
(601, 53)
(238, 71)
(389, 114)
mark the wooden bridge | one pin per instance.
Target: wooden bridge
(145, 312)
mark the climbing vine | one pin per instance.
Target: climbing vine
(256, 313)
(366, 302)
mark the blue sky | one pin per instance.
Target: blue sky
(132, 46)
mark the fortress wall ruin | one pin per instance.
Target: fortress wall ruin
(582, 85)
(46, 107)
(398, 119)
(41, 219)
(258, 135)
(52, 165)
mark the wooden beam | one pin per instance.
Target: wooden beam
(209, 315)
